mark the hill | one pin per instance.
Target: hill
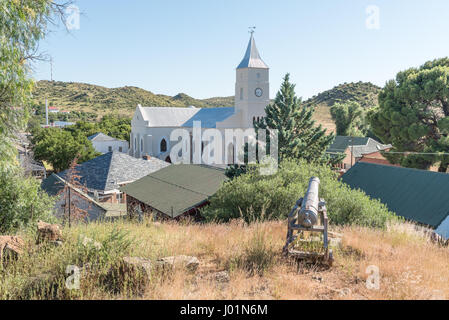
(236, 261)
(82, 97)
(95, 101)
(364, 93)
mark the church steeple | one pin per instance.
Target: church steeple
(252, 87)
(252, 58)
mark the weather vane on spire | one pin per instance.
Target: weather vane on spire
(251, 30)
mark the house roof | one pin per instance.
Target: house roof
(360, 145)
(177, 188)
(108, 171)
(252, 58)
(416, 195)
(54, 184)
(184, 117)
(100, 136)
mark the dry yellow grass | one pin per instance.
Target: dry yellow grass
(322, 115)
(410, 266)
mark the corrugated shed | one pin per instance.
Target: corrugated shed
(177, 188)
(417, 195)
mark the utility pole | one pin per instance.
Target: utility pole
(70, 207)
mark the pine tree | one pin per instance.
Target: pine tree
(299, 137)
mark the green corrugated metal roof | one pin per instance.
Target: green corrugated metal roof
(418, 195)
(175, 189)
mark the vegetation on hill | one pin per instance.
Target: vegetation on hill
(364, 93)
(74, 96)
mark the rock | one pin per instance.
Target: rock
(222, 277)
(48, 232)
(10, 248)
(188, 262)
(137, 264)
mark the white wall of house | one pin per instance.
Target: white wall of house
(109, 146)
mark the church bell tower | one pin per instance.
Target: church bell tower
(252, 88)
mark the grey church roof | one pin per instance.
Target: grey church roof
(106, 172)
(184, 117)
(252, 58)
(100, 136)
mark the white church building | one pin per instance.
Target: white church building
(151, 126)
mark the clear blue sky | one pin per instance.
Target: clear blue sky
(194, 46)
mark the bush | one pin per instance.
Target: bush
(22, 201)
(251, 194)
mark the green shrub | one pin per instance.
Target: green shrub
(250, 194)
(22, 201)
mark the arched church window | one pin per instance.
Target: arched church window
(163, 145)
(141, 145)
(254, 120)
(135, 143)
(241, 93)
(258, 75)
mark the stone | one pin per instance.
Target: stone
(10, 248)
(48, 232)
(175, 262)
(222, 277)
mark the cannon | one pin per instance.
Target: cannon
(305, 217)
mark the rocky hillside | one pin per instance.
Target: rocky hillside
(364, 93)
(74, 96)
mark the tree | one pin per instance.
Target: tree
(413, 115)
(60, 147)
(73, 211)
(22, 201)
(298, 138)
(349, 118)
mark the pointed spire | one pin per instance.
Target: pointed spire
(252, 58)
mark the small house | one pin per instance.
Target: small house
(103, 143)
(104, 175)
(174, 192)
(356, 149)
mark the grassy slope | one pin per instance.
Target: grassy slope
(75, 96)
(411, 267)
(364, 93)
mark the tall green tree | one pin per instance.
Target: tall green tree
(413, 115)
(349, 119)
(61, 147)
(299, 137)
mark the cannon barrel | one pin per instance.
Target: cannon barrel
(308, 214)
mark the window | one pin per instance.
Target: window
(120, 149)
(258, 75)
(135, 143)
(109, 148)
(141, 145)
(163, 145)
(241, 93)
